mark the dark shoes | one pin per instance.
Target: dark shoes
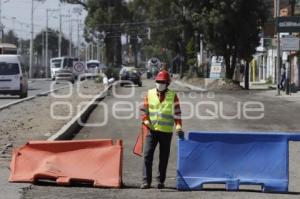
(145, 186)
(160, 185)
(148, 186)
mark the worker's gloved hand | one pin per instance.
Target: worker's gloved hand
(147, 123)
(180, 134)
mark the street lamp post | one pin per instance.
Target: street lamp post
(78, 11)
(60, 31)
(201, 49)
(78, 39)
(278, 49)
(1, 25)
(1, 19)
(47, 40)
(70, 41)
(31, 41)
(46, 53)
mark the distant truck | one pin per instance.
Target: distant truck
(153, 67)
(8, 49)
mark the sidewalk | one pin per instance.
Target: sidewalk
(259, 86)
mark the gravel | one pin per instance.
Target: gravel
(213, 84)
(32, 120)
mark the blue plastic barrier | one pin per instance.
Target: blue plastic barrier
(233, 159)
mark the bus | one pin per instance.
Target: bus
(8, 49)
(61, 63)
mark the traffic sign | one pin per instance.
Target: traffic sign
(78, 67)
(290, 43)
(288, 24)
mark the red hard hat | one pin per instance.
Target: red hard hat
(163, 76)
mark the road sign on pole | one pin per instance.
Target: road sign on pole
(78, 67)
(288, 24)
(290, 43)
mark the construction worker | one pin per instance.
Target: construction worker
(161, 112)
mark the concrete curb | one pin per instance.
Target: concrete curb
(189, 86)
(69, 129)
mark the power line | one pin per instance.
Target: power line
(138, 22)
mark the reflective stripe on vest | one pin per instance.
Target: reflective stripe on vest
(161, 114)
(166, 116)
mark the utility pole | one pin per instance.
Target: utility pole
(181, 44)
(1, 26)
(14, 23)
(47, 40)
(60, 31)
(78, 39)
(20, 41)
(31, 43)
(78, 12)
(43, 49)
(98, 50)
(70, 41)
(86, 52)
(278, 48)
(201, 49)
(92, 46)
(46, 52)
(1, 12)
(98, 46)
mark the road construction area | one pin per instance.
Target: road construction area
(118, 117)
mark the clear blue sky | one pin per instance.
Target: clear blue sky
(21, 10)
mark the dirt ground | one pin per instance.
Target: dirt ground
(213, 84)
(32, 119)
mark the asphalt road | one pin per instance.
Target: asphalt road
(279, 114)
(34, 87)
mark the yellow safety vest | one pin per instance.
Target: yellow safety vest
(161, 114)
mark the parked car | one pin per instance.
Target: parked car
(13, 76)
(65, 74)
(130, 74)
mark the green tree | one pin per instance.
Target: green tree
(191, 52)
(170, 27)
(106, 16)
(10, 37)
(80, 2)
(52, 42)
(231, 28)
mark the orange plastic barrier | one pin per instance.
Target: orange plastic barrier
(97, 161)
(139, 145)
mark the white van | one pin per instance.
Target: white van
(13, 77)
(93, 67)
(61, 63)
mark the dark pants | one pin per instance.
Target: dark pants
(152, 139)
(282, 81)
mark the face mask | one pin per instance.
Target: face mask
(161, 87)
